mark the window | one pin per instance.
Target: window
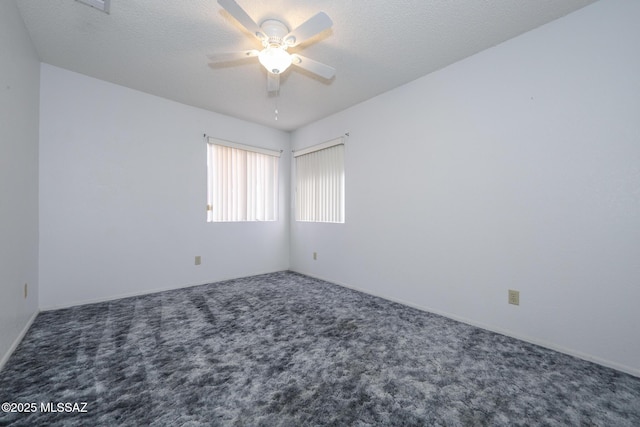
(242, 182)
(320, 182)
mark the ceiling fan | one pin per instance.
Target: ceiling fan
(276, 39)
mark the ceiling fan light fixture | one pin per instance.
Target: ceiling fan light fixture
(275, 59)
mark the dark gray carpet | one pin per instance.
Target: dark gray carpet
(285, 349)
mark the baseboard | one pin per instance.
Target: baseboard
(607, 363)
(148, 292)
(18, 340)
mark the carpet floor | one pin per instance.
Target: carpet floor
(284, 349)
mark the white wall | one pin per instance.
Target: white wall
(19, 86)
(123, 194)
(517, 168)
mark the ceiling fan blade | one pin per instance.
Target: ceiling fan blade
(232, 56)
(315, 67)
(273, 82)
(242, 17)
(314, 25)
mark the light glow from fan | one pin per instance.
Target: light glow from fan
(275, 59)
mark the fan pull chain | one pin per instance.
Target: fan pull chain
(277, 96)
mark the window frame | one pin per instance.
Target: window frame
(328, 189)
(240, 201)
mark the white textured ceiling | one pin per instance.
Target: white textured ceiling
(160, 47)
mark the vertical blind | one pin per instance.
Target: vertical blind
(320, 184)
(242, 183)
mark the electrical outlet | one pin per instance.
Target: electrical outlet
(198, 260)
(514, 297)
(315, 256)
(25, 290)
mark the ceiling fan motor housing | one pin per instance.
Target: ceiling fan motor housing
(275, 31)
